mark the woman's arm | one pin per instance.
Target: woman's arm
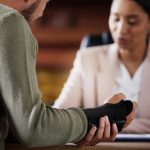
(71, 94)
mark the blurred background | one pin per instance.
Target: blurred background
(59, 33)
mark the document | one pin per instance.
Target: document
(133, 137)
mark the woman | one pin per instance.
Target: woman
(101, 71)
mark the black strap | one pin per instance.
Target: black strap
(116, 113)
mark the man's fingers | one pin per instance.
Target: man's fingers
(88, 138)
(114, 132)
(107, 129)
(101, 128)
(100, 132)
(91, 134)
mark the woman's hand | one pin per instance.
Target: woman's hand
(116, 98)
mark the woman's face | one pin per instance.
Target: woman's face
(129, 24)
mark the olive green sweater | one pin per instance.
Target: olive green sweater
(33, 123)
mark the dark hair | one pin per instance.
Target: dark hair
(145, 4)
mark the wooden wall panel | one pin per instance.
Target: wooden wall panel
(59, 33)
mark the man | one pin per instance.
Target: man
(33, 123)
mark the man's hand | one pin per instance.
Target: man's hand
(106, 132)
(103, 133)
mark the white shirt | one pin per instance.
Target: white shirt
(126, 84)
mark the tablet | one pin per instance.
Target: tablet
(133, 138)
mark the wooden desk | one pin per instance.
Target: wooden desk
(101, 146)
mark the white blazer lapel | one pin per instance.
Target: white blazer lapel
(89, 78)
(106, 74)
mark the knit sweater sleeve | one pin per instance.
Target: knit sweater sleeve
(32, 122)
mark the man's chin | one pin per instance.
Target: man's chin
(29, 12)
